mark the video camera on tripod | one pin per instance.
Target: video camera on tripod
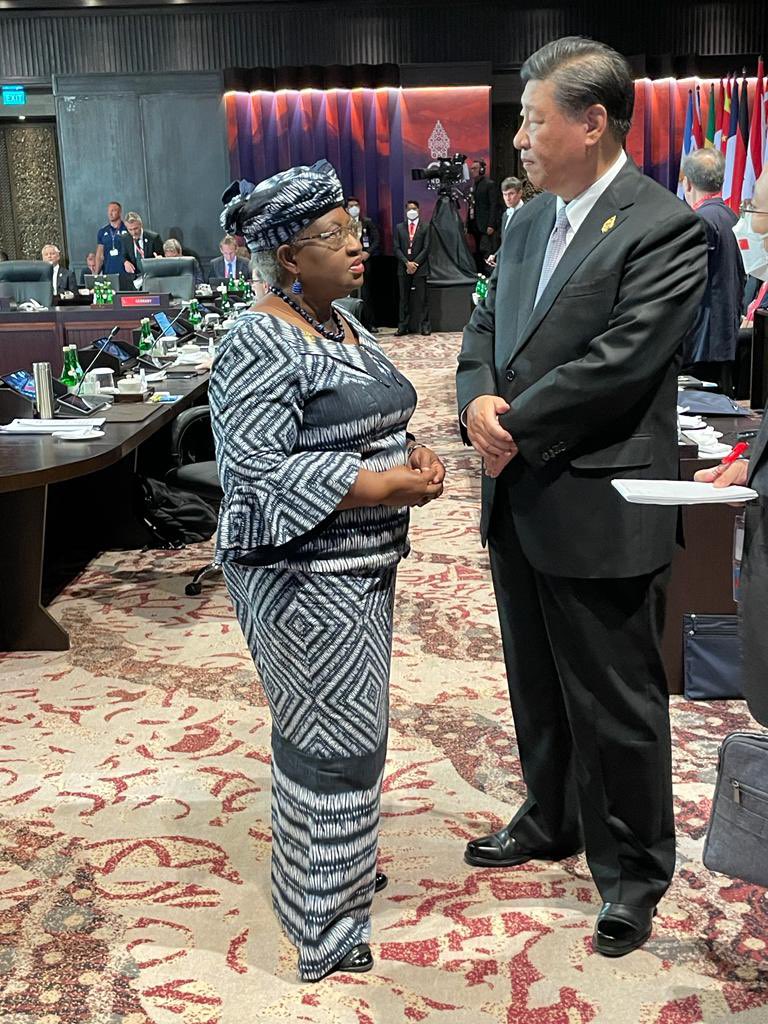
(445, 175)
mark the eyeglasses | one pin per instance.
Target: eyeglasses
(334, 238)
(747, 207)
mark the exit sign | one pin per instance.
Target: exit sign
(14, 96)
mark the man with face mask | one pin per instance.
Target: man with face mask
(411, 248)
(369, 238)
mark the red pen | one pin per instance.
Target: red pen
(738, 450)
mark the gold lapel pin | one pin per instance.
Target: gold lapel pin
(610, 223)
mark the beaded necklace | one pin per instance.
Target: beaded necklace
(338, 335)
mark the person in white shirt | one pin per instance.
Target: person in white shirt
(63, 279)
(512, 194)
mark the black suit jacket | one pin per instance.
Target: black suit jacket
(487, 204)
(153, 246)
(369, 236)
(419, 249)
(716, 331)
(67, 282)
(590, 374)
(217, 268)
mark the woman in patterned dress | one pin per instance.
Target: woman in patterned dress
(310, 418)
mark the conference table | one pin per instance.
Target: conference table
(702, 570)
(27, 338)
(62, 502)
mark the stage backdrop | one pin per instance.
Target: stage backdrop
(373, 137)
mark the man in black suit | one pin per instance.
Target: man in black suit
(412, 249)
(567, 379)
(483, 218)
(229, 264)
(711, 350)
(64, 280)
(138, 244)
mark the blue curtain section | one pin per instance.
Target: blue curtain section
(356, 130)
(373, 137)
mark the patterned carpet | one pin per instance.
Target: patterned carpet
(134, 817)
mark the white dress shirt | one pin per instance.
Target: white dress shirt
(55, 278)
(578, 209)
(510, 212)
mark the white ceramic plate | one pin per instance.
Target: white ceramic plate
(78, 435)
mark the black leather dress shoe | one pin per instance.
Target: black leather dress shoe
(502, 850)
(620, 928)
(380, 882)
(357, 961)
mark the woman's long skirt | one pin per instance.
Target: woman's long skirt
(322, 644)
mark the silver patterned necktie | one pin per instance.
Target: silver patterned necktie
(555, 249)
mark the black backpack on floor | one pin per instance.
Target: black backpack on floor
(175, 517)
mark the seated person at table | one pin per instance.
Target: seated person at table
(90, 267)
(138, 244)
(172, 247)
(229, 264)
(63, 279)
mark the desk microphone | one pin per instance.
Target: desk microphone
(99, 350)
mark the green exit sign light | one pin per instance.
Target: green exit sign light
(14, 96)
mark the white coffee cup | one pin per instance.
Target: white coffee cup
(129, 386)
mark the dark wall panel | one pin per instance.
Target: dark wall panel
(102, 158)
(187, 167)
(367, 31)
(156, 143)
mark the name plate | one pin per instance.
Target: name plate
(142, 300)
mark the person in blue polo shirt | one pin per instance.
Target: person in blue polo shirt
(109, 251)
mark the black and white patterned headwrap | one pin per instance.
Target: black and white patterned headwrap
(273, 212)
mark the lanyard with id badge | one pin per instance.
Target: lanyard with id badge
(114, 234)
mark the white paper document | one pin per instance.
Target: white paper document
(62, 426)
(680, 492)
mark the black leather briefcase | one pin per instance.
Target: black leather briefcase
(737, 837)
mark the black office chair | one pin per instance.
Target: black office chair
(195, 470)
(27, 279)
(174, 275)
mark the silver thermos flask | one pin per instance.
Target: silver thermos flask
(43, 390)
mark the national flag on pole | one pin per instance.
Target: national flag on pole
(725, 115)
(709, 140)
(754, 163)
(742, 141)
(730, 146)
(698, 130)
(688, 142)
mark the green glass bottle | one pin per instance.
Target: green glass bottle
(77, 369)
(69, 376)
(194, 316)
(145, 338)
